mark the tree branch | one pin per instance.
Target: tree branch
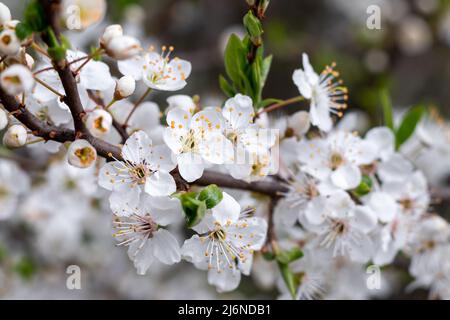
(268, 186)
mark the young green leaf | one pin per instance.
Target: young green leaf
(34, 17)
(194, 209)
(289, 278)
(23, 30)
(364, 187)
(408, 125)
(387, 109)
(235, 59)
(289, 256)
(227, 89)
(253, 26)
(211, 195)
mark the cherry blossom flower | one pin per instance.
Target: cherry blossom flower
(325, 93)
(197, 141)
(343, 227)
(158, 71)
(141, 229)
(145, 168)
(249, 141)
(225, 243)
(337, 158)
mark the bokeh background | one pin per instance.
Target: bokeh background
(409, 56)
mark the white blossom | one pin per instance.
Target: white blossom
(145, 168)
(325, 93)
(225, 243)
(13, 183)
(197, 141)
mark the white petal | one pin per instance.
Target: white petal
(191, 166)
(162, 159)
(225, 280)
(227, 210)
(160, 183)
(299, 78)
(164, 210)
(137, 148)
(165, 247)
(311, 75)
(364, 219)
(383, 205)
(132, 67)
(239, 111)
(346, 177)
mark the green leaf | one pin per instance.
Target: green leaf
(23, 30)
(211, 195)
(387, 109)
(267, 62)
(289, 278)
(227, 89)
(194, 209)
(34, 17)
(289, 256)
(364, 187)
(235, 59)
(269, 256)
(408, 125)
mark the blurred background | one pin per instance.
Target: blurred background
(409, 56)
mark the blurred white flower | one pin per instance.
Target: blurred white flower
(3, 119)
(15, 136)
(13, 183)
(123, 47)
(9, 43)
(17, 79)
(5, 14)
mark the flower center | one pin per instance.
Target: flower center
(336, 160)
(98, 124)
(190, 142)
(86, 155)
(134, 228)
(407, 203)
(139, 173)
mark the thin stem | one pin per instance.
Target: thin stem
(279, 105)
(43, 70)
(38, 48)
(110, 104)
(138, 102)
(88, 58)
(42, 83)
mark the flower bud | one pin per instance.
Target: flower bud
(81, 154)
(3, 119)
(111, 32)
(17, 79)
(15, 136)
(5, 14)
(28, 60)
(9, 43)
(123, 47)
(125, 87)
(99, 122)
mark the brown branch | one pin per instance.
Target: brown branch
(51, 132)
(267, 186)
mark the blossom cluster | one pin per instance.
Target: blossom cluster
(343, 199)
